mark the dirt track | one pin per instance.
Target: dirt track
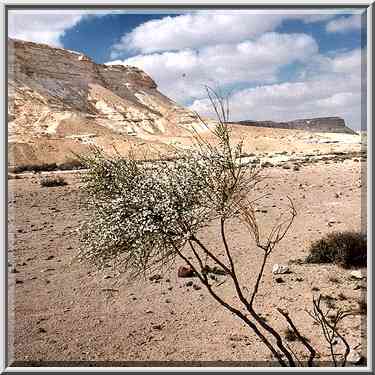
(66, 311)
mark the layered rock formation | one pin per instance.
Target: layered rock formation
(319, 124)
(56, 94)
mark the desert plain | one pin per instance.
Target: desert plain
(67, 313)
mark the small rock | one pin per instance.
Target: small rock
(50, 257)
(296, 168)
(278, 269)
(356, 287)
(41, 330)
(355, 357)
(331, 222)
(14, 270)
(356, 275)
(236, 337)
(107, 277)
(167, 300)
(149, 312)
(279, 280)
(185, 272)
(155, 277)
(48, 270)
(197, 287)
(157, 327)
(189, 283)
(19, 281)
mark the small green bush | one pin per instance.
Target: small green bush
(53, 181)
(347, 249)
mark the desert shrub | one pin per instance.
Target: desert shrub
(347, 249)
(53, 181)
(71, 165)
(33, 168)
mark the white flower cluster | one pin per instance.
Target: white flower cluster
(143, 212)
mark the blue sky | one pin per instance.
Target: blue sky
(274, 65)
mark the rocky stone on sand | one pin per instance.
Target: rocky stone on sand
(155, 277)
(356, 275)
(185, 272)
(280, 280)
(279, 269)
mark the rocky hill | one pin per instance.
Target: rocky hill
(61, 101)
(319, 124)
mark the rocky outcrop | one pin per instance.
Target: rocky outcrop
(50, 85)
(319, 124)
(61, 100)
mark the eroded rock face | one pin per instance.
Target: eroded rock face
(48, 86)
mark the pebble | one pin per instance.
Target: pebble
(185, 272)
(155, 277)
(356, 275)
(280, 269)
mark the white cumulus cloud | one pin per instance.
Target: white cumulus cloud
(204, 28)
(182, 74)
(46, 26)
(332, 93)
(344, 24)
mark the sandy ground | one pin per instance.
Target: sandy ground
(62, 311)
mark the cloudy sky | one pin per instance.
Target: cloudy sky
(273, 65)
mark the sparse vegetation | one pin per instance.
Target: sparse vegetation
(329, 300)
(342, 297)
(51, 181)
(33, 168)
(333, 279)
(347, 249)
(71, 165)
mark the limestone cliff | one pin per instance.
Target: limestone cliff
(56, 94)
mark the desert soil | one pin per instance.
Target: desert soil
(65, 312)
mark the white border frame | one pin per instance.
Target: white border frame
(150, 3)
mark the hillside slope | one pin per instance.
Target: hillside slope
(61, 100)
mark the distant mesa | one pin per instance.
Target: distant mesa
(319, 124)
